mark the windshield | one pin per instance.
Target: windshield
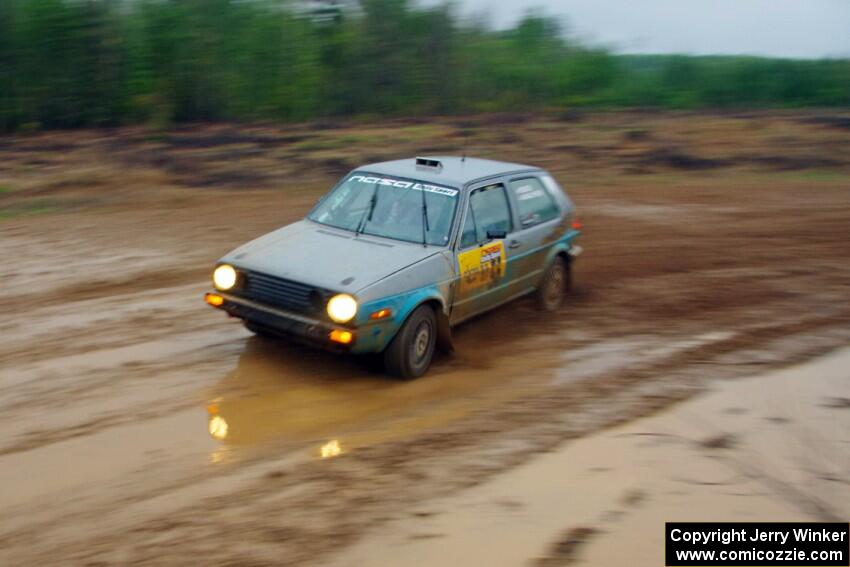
(390, 207)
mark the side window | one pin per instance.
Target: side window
(534, 202)
(556, 190)
(467, 237)
(488, 211)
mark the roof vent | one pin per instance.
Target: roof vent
(429, 163)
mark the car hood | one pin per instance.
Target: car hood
(326, 257)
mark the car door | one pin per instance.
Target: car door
(539, 224)
(482, 258)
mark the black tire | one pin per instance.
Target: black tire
(556, 282)
(411, 350)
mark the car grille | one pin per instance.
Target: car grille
(284, 294)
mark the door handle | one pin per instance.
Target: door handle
(514, 243)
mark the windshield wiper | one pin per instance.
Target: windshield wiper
(367, 214)
(426, 227)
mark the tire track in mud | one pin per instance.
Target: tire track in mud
(98, 286)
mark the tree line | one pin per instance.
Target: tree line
(76, 63)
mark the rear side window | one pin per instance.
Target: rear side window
(534, 203)
(488, 210)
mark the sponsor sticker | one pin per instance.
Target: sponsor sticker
(526, 192)
(482, 266)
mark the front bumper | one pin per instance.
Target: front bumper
(283, 323)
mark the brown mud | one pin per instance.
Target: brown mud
(142, 426)
(767, 448)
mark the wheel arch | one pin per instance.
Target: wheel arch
(444, 334)
(403, 306)
(560, 250)
(444, 330)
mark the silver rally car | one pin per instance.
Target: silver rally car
(400, 251)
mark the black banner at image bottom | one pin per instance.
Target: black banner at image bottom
(741, 544)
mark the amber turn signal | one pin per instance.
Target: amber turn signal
(381, 314)
(214, 299)
(340, 336)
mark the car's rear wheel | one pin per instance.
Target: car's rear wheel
(554, 286)
(410, 352)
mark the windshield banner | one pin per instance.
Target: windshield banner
(389, 182)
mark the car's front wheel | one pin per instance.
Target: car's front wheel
(410, 352)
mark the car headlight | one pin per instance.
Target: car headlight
(224, 277)
(342, 308)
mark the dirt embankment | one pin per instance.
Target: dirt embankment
(715, 245)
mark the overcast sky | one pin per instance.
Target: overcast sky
(785, 28)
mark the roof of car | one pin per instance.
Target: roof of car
(453, 171)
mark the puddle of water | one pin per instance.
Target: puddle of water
(282, 393)
(775, 447)
(281, 401)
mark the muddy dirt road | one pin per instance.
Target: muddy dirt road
(733, 453)
(141, 426)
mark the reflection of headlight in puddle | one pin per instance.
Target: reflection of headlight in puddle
(218, 427)
(330, 449)
(220, 455)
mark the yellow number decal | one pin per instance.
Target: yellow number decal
(482, 266)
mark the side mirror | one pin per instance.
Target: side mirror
(496, 234)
